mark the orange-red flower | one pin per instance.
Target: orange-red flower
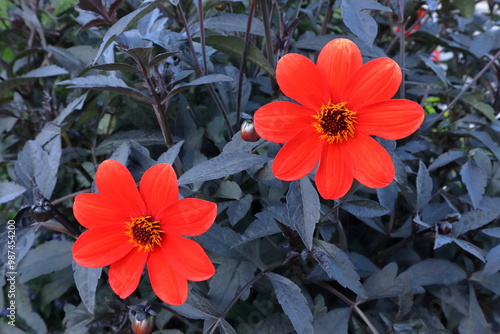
(342, 103)
(129, 228)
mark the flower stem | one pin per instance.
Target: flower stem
(70, 196)
(254, 279)
(402, 37)
(349, 302)
(268, 39)
(202, 36)
(246, 41)
(202, 72)
(328, 16)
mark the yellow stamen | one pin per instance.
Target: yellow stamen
(334, 122)
(144, 233)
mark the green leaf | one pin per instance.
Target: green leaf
(45, 71)
(205, 80)
(10, 190)
(41, 72)
(303, 207)
(108, 83)
(60, 282)
(471, 248)
(405, 299)
(387, 196)
(239, 208)
(436, 69)
(140, 137)
(221, 166)
(5, 327)
(48, 257)
(25, 312)
(490, 282)
(222, 240)
(234, 23)
(424, 186)
(382, 283)
(359, 20)
(124, 23)
(484, 42)
(474, 322)
(489, 138)
(171, 154)
(293, 303)
(231, 277)
(466, 7)
(492, 232)
(229, 190)
(195, 307)
(263, 226)
(30, 18)
(364, 208)
(140, 54)
(86, 280)
(34, 164)
(472, 220)
(160, 57)
(475, 179)
(337, 320)
(486, 109)
(116, 67)
(446, 158)
(233, 46)
(492, 261)
(432, 271)
(337, 264)
(237, 144)
(25, 238)
(76, 319)
(76, 104)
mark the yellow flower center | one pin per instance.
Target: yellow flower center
(334, 122)
(144, 233)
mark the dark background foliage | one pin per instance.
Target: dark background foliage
(171, 81)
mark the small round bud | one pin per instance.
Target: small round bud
(143, 326)
(248, 132)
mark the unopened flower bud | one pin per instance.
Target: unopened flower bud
(144, 326)
(248, 132)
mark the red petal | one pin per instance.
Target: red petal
(115, 182)
(125, 274)
(92, 210)
(299, 156)
(390, 119)
(369, 162)
(280, 121)
(375, 81)
(167, 284)
(300, 79)
(188, 216)
(339, 60)
(187, 258)
(333, 177)
(101, 246)
(159, 188)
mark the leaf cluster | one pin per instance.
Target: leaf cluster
(171, 82)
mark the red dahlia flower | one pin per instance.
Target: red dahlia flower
(342, 104)
(129, 228)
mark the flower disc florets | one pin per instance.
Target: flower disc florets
(334, 122)
(144, 233)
